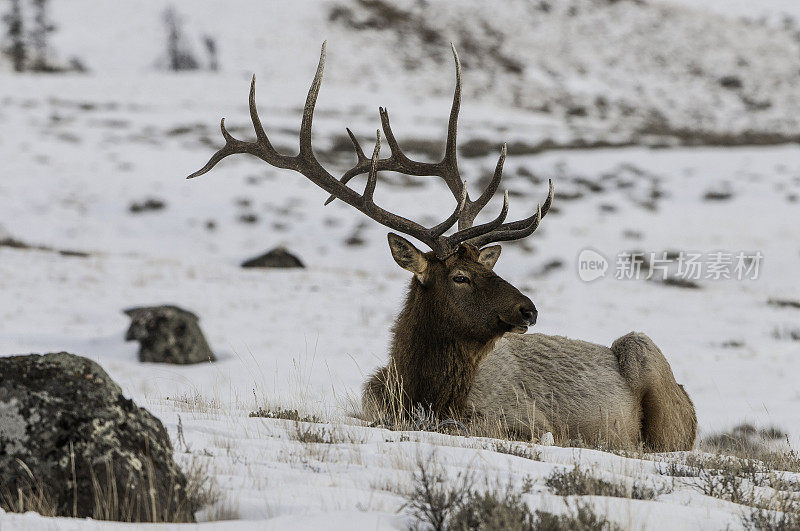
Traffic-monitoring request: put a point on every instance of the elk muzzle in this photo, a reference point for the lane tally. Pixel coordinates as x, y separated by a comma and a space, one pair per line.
528, 312
522, 316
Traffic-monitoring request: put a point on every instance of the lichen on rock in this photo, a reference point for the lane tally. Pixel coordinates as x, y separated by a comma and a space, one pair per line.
13, 427
168, 334
62, 411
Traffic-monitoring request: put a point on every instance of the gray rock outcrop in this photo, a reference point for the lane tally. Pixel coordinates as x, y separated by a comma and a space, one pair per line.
278, 257
68, 435
168, 334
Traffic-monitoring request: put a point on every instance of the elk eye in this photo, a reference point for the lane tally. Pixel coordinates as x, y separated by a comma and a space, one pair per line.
461, 279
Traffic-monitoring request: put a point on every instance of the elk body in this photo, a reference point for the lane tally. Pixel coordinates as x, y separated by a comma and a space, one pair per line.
459, 347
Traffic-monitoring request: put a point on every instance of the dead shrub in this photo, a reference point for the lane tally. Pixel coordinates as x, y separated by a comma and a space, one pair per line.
456, 505
285, 414
578, 482
519, 450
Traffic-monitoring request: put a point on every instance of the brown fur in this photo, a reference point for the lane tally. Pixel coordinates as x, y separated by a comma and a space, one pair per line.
451, 352
437, 343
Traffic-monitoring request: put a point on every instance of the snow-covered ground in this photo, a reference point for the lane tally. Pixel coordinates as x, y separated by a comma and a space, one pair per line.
78, 150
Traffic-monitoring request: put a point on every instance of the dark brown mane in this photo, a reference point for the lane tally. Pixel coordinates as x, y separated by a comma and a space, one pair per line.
436, 366
438, 342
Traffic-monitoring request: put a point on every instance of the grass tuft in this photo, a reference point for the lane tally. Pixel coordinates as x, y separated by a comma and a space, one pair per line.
440, 504
578, 482
285, 414
111, 501
519, 450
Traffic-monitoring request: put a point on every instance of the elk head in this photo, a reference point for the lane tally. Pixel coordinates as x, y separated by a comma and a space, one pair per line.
458, 270
468, 298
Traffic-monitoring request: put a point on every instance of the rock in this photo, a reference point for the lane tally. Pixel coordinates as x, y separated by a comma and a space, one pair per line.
13, 243
730, 82
248, 218
278, 257
90, 451
148, 205
168, 334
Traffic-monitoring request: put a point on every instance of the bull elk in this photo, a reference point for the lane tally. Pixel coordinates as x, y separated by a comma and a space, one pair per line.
459, 346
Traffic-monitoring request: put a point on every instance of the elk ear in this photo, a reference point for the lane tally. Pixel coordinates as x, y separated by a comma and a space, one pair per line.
488, 256
408, 257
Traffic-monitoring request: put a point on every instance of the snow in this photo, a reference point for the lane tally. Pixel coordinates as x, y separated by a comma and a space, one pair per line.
767, 9
77, 150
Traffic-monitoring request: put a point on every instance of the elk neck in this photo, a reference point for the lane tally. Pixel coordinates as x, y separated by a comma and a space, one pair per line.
436, 364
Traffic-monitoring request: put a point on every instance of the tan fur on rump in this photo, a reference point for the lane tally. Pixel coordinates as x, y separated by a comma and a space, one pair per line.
581, 390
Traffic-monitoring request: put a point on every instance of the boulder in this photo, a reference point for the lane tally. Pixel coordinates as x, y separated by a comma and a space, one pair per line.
68, 436
278, 257
168, 334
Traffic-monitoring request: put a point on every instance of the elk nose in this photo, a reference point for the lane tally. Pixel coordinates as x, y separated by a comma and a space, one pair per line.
528, 312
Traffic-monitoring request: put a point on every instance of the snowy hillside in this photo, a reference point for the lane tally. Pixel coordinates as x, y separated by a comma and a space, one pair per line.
587, 70
80, 152
614, 71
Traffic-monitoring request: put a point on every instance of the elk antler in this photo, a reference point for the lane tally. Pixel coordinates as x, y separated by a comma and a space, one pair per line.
465, 212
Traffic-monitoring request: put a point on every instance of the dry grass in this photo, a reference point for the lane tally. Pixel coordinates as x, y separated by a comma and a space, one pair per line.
201, 488
578, 482
440, 504
518, 449
434, 501
744, 440
112, 501
33, 496
306, 433
782, 513
194, 402
581, 518
393, 413
310, 433
286, 414
742, 467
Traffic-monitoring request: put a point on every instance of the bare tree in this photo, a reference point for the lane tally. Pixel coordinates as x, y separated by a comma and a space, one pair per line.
211, 48
179, 55
42, 28
16, 34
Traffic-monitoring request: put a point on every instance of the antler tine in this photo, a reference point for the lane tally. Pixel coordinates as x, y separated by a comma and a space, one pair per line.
232, 147
397, 154
450, 155
357, 146
517, 229
308, 109
471, 233
372, 178
362, 159
262, 148
507, 235
476, 206
445, 225
398, 161
260, 134
524, 223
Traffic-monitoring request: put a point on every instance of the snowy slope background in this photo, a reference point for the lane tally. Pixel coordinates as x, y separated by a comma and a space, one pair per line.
79, 149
